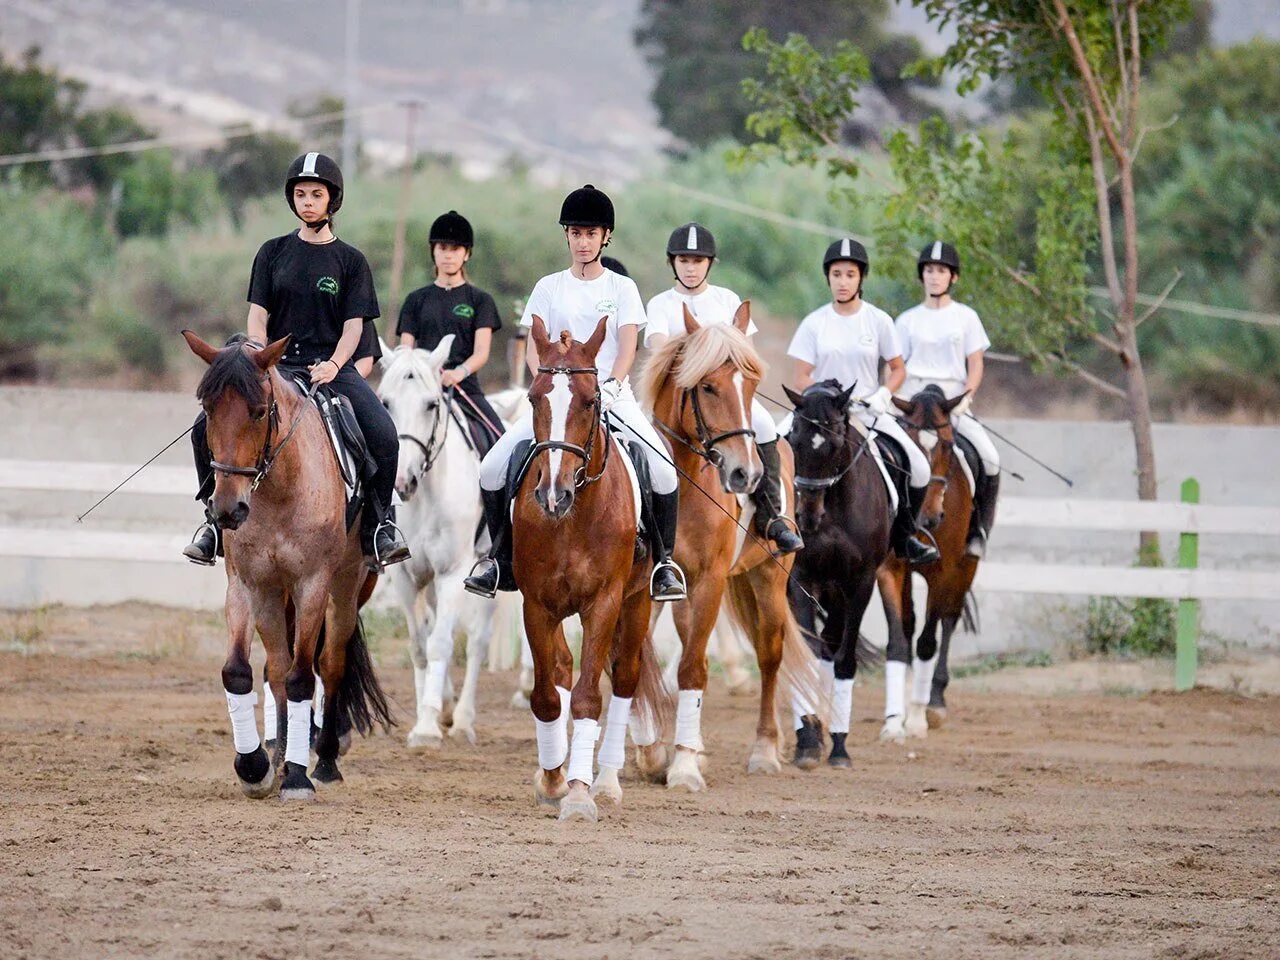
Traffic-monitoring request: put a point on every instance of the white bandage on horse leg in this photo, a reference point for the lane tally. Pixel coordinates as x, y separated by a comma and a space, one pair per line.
827, 670
420, 685
644, 732
613, 751
317, 702
922, 679
582, 756
553, 743
689, 719
841, 705
434, 694
895, 688
298, 747
801, 707
244, 723
270, 722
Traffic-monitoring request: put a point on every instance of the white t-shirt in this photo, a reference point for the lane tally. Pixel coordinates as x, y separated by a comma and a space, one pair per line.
848, 349
936, 343
566, 303
712, 305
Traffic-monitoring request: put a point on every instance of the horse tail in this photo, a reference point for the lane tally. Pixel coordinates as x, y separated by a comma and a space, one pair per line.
969, 613
654, 705
867, 653
361, 699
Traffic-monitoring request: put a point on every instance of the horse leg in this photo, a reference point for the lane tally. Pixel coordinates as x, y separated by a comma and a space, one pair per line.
694, 620
846, 669
476, 625
767, 589
340, 625
252, 765
936, 712
825, 645
524, 686
895, 594
412, 603
651, 753
599, 622
726, 639
544, 701
311, 600
630, 636
922, 666
439, 644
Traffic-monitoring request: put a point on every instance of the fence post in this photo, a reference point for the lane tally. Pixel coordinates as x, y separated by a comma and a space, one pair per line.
1184, 671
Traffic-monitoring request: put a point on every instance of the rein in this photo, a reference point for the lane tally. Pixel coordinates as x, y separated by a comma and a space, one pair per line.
581, 478
826, 483
435, 441
266, 456
706, 440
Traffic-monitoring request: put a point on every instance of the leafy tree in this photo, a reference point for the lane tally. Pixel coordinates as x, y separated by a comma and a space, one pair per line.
322, 121
695, 47
250, 166
156, 194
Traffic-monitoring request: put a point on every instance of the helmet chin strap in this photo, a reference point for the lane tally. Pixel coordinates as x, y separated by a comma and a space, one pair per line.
685, 285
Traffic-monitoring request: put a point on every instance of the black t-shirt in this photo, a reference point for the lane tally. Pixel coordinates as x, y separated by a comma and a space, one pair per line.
432, 312
370, 345
310, 290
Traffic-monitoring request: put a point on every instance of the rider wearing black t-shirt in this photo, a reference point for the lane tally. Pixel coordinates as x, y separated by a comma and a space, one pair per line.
452, 305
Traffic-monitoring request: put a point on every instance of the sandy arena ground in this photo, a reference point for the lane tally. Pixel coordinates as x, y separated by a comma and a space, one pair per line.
1080, 825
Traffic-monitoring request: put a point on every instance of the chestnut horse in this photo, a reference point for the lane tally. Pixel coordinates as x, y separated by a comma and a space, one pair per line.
699, 388
946, 512
295, 572
574, 520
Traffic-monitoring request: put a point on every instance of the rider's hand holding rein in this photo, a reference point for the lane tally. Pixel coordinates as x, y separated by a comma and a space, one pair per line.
327, 370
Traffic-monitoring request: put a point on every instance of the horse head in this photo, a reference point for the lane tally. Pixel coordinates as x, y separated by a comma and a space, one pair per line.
927, 419
567, 418
238, 393
820, 440
412, 393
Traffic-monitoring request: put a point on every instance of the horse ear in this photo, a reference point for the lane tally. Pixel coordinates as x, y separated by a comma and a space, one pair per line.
270, 355
845, 396
906, 406
949, 405
691, 325
795, 398
539, 333
204, 351
441, 353
742, 316
592, 346
386, 359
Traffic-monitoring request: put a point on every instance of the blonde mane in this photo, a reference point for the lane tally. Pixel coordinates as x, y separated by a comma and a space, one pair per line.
687, 359
403, 364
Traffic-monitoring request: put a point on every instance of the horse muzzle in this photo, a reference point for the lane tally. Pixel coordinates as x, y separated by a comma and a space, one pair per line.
233, 518
554, 505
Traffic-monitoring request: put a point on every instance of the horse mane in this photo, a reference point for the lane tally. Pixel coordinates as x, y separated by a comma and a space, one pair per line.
407, 363
232, 369
687, 359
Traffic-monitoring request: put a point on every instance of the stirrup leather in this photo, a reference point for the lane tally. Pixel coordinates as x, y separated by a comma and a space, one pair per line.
684, 585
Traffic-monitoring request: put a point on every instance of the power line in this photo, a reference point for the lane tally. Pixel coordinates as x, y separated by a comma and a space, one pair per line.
1200, 309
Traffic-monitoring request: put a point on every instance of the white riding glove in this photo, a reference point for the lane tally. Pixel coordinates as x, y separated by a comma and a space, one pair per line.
610, 391
961, 408
878, 403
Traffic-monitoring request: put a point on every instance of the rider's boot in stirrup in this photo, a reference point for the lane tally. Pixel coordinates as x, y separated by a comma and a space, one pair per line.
666, 583
388, 542
903, 536
768, 500
984, 515
203, 548
494, 572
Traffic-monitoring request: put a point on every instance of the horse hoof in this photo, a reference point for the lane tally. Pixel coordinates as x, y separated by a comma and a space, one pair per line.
685, 772
651, 762
446, 714
807, 759
607, 786
761, 762
893, 731
936, 716
916, 725
578, 805
296, 787
326, 773
425, 740
840, 762
344, 743
547, 792
463, 732
257, 777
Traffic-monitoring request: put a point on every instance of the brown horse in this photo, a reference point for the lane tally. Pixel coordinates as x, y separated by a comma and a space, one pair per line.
700, 387
294, 570
946, 512
575, 519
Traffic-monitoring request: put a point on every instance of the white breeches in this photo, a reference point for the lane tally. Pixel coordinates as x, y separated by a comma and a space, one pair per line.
626, 413
766, 430
968, 427
889, 425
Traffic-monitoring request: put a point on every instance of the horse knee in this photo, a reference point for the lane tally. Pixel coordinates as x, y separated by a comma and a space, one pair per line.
544, 701
237, 676
300, 685
926, 647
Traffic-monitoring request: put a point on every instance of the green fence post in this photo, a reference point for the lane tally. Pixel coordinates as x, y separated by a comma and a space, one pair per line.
1184, 671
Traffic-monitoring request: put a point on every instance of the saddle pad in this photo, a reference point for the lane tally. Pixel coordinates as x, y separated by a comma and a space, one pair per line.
969, 458
747, 519
636, 502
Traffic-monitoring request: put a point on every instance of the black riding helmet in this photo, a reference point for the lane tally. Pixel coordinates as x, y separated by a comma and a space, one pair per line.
693, 239
847, 249
454, 228
587, 207
318, 167
938, 251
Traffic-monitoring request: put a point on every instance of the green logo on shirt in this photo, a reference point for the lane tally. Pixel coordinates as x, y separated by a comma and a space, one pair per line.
607, 306
327, 285
464, 310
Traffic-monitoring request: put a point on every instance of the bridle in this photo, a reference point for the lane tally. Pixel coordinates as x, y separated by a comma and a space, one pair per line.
436, 438
581, 477
266, 456
826, 483
707, 441
948, 446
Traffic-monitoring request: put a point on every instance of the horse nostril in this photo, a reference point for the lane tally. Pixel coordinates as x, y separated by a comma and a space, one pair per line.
738, 480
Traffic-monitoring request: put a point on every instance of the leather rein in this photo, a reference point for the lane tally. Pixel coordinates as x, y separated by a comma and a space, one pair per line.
581, 477
267, 456
707, 441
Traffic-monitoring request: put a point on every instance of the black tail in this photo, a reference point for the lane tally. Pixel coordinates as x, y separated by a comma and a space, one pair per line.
361, 699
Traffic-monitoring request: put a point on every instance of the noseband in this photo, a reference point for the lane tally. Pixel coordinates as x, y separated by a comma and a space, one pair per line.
707, 441
266, 456
435, 440
826, 483
580, 476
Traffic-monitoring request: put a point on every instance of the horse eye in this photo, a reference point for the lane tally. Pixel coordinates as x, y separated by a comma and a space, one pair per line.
708, 388
259, 413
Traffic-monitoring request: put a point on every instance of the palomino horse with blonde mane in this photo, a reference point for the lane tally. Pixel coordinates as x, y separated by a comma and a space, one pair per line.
574, 520
295, 572
700, 387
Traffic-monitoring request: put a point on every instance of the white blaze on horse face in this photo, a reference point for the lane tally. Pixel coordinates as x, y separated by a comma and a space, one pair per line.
928, 440
560, 398
742, 399
817, 440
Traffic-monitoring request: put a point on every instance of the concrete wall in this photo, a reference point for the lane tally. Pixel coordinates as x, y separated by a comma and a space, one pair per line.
1234, 465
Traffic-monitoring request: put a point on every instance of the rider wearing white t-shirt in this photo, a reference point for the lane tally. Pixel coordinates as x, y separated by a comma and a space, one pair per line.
575, 300
943, 342
691, 252
845, 340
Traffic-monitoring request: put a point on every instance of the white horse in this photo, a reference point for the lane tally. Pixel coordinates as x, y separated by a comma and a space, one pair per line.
438, 482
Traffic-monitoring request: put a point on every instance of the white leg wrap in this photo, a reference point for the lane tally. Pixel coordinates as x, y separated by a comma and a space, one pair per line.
553, 741
922, 679
582, 756
434, 692
689, 719
613, 752
827, 669
298, 748
317, 702
800, 708
244, 722
895, 688
841, 705
270, 722
643, 731
566, 715
420, 685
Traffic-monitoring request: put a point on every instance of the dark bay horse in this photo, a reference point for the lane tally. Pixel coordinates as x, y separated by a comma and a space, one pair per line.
845, 516
575, 518
700, 387
295, 573
946, 512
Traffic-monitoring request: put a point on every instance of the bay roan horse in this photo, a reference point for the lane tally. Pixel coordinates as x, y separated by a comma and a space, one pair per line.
700, 388
946, 511
575, 518
294, 572
843, 509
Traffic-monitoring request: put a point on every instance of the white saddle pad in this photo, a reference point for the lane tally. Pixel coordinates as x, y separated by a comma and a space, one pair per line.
879, 459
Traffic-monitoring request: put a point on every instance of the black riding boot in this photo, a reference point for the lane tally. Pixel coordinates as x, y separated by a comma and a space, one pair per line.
666, 583
388, 542
206, 544
903, 536
984, 514
494, 572
768, 500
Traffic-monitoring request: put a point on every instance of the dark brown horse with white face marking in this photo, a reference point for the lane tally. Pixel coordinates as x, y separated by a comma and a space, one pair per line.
574, 522
294, 571
946, 512
700, 388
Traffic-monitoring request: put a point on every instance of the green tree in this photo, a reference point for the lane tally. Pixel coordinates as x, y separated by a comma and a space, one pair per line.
695, 47
250, 166
155, 194
322, 123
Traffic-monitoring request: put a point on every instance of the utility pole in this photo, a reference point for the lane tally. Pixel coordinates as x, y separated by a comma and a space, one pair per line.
411, 106
350, 119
